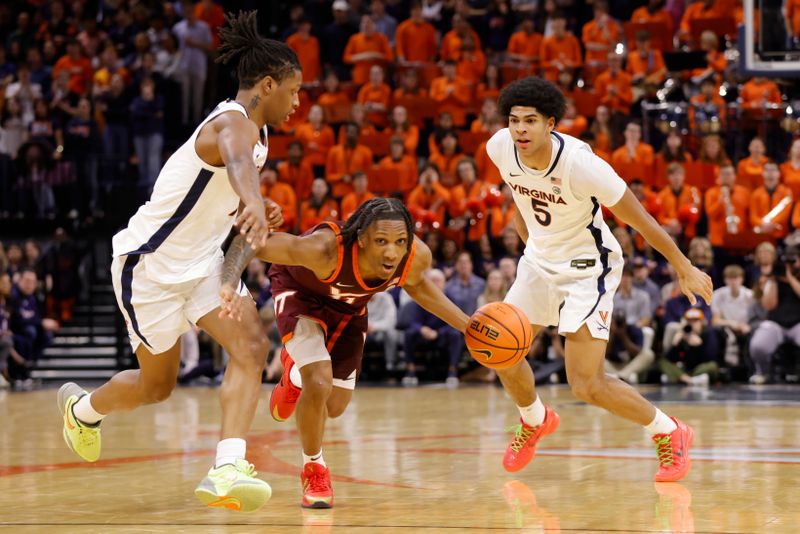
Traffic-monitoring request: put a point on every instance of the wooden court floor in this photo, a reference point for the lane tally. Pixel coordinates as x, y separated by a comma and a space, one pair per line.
413, 460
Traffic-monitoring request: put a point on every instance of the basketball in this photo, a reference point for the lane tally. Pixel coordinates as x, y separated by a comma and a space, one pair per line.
499, 335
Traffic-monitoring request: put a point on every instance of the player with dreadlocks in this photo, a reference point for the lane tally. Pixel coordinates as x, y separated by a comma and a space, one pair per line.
321, 282
168, 262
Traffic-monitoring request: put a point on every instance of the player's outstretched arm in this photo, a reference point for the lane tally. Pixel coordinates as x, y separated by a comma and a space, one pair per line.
427, 295
692, 280
522, 230
236, 137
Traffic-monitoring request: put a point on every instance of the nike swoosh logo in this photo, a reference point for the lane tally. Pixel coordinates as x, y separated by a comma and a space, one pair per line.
231, 214
345, 285
601, 327
514, 175
485, 352
348, 379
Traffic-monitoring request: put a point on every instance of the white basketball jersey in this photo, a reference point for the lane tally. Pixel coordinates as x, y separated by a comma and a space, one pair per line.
180, 230
565, 229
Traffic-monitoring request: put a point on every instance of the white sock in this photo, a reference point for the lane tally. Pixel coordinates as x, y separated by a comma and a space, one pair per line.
84, 412
229, 450
661, 424
533, 415
294, 377
316, 458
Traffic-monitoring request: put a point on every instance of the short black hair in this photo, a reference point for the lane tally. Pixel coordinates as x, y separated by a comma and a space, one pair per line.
376, 209
258, 56
536, 93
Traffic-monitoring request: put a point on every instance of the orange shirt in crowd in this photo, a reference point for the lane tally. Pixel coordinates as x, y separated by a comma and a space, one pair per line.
672, 203
608, 35
311, 216
363, 129
471, 66
660, 164
452, 97
307, 50
360, 43
716, 106
697, 11
410, 138
716, 212
574, 127
283, 194
344, 161
602, 141
406, 168
640, 165
338, 99
459, 200
796, 216
754, 92
566, 51
761, 202
525, 44
643, 16
213, 15
447, 166
793, 16
487, 170
299, 115
750, 174
316, 143
380, 94
297, 176
401, 93
415, 42
502, 219
352, 201
716, 61
80, 73
650, 66
482, 92
621, 98
435, 200
790, 177
451, 45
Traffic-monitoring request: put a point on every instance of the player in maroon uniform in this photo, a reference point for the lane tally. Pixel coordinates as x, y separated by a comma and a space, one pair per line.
321, 283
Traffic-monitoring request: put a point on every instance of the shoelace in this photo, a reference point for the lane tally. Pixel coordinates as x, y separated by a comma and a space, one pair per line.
664, 449
521, 435
87, 436
247, 469
318, 482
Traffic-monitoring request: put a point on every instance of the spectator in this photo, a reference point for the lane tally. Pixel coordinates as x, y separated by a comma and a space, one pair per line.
680, 206
41, 74
451, 94
169, 58
572, 123
12, 365
296, 171
15, 260
400, 125
61, 267
673, 151
306, 46
487, 170
77, 67
600, 35
147, 121
635, 158
316, 137
731, 308
415, 38
426, 329
700, 9
759, 92
365, 49
691, 357
560, 51
282, 194
488, 117
525, 45
115, 106
646, 66
627, 353
467, 209
452, 41
428, 201
384, 23
726, 206
508, 266
382, 326
653, 12
409, 86
404, 164
766, 198
358, 116
603, 136
715, 60
614, 87
711, 151
32, 332
357, 196
447, 157
750, 170
336, 37
319, 207
443, 124
196, 42
13, 132
110, 65
495, 289
25, 92
641, 280
81, 139
707, 110
471, 64
490, 84
790, 169
447, 259
502, 216
375, 97
346, 158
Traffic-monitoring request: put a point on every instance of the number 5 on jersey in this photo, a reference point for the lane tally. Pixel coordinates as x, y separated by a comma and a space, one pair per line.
540, 212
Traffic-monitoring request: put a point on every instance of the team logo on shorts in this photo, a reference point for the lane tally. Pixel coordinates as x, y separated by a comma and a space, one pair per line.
604, 316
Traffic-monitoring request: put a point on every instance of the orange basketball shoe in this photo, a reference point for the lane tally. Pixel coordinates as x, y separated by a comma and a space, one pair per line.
673, 452
285, 394
317, 490
522, 448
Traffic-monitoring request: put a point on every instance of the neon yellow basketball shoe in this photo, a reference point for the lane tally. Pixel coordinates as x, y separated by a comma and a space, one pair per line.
234, 487
82, 439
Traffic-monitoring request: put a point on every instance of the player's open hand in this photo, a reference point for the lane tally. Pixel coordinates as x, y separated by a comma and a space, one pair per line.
274, 214
231, 303
693, 282
252, 223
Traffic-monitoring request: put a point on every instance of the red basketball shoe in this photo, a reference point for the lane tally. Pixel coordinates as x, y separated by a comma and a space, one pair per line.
284, 396
317, 490
673, 453
522, 448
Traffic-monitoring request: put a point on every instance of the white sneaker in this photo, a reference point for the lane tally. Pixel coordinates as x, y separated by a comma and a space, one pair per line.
410, 381
4, 383
664, 379
451, 382
758, 380
633, 379
700, 380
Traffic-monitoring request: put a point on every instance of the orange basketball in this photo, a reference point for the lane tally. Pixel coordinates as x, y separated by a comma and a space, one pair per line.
499, 335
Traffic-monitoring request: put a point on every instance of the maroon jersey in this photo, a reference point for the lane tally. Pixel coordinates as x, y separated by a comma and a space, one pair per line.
344, 291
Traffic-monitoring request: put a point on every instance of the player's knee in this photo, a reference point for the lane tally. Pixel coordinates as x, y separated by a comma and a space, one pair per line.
251, 350
157, 392
318, 385
588, 390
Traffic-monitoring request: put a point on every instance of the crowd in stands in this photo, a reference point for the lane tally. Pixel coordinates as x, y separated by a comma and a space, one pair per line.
399, 98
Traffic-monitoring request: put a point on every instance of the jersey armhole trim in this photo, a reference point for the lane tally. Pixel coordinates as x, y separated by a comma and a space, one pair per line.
409, 262
339, 251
